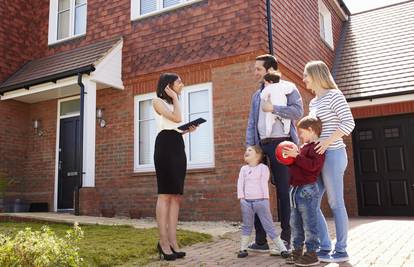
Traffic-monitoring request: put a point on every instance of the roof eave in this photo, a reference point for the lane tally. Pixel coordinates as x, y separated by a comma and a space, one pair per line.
51, 78
353, 99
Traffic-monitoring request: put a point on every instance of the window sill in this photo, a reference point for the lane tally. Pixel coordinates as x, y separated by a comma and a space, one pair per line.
164, 10
67, 39
327, 44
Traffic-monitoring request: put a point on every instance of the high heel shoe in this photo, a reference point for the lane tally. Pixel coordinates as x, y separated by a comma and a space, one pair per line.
167, 257
180, 254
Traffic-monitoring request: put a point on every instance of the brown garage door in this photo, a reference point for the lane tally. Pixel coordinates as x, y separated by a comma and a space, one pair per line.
384, 165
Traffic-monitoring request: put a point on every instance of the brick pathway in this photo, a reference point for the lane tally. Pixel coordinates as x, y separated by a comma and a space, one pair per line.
378, 242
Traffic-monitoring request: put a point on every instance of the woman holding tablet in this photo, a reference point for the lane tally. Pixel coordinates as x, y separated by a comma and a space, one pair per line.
170, 162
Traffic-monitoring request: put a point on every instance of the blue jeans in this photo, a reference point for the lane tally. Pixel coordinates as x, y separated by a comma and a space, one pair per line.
280, 178
303, 218
332, 181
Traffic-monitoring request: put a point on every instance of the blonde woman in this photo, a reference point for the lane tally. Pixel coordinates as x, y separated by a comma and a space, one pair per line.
330, 106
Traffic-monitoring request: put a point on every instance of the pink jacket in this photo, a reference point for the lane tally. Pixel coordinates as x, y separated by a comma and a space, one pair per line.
253, 182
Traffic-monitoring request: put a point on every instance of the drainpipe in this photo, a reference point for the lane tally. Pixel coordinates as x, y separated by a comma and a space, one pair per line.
81, 122
269, 25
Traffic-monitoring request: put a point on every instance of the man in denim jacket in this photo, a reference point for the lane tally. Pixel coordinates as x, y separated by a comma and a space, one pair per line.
256, 135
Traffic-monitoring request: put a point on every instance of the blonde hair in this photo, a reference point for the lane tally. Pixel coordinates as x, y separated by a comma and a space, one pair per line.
320, 75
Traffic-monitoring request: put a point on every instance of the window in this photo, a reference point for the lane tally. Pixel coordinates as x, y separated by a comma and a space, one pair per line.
67, 19
325, 24
196, 101
144, 8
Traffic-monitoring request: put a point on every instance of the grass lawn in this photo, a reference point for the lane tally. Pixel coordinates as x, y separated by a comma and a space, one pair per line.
113, 245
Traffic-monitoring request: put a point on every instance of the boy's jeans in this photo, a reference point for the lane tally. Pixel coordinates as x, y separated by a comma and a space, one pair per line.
303, 219
332, 181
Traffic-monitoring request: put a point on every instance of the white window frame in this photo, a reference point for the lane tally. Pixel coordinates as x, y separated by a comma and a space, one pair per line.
53, 22
136, 8
325, 24
138, 168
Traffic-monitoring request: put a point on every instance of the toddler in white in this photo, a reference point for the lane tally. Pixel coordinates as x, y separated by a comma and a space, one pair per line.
277, 91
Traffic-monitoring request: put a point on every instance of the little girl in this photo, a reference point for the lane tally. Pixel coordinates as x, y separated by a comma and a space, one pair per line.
253, 192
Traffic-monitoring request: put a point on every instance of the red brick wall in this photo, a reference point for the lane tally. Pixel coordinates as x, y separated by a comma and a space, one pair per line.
203, 31
15, 35
40, 155
14, 127
383, 110
296, 34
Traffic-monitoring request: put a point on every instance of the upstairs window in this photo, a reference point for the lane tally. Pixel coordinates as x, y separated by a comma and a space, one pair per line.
145, 8
325, 24
67, 19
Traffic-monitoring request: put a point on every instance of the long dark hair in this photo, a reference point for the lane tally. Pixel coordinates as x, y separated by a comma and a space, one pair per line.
166, 79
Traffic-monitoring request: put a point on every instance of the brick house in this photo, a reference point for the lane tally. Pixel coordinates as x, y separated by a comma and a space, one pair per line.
114, 51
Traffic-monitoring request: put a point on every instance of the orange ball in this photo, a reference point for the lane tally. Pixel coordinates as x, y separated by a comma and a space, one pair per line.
285, 160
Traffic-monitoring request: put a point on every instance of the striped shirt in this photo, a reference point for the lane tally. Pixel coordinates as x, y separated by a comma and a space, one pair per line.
334, 112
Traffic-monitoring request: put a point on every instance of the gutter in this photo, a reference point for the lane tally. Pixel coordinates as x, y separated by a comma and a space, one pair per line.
51, 78
269, 26
79, 181
352, 99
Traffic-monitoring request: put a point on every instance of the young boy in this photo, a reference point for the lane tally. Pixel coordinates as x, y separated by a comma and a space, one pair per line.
277, 94
304, 193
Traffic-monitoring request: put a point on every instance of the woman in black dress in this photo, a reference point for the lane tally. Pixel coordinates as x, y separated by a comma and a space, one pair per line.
170, 162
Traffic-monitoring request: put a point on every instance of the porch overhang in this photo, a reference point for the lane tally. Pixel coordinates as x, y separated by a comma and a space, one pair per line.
55, 76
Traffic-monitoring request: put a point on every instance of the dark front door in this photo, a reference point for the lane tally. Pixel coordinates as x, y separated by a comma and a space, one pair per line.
384, 165
68, 161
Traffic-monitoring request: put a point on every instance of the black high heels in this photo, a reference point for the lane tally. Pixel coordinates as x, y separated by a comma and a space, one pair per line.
167, 257
180, 254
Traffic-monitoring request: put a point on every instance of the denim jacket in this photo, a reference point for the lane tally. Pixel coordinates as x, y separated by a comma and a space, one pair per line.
293, 111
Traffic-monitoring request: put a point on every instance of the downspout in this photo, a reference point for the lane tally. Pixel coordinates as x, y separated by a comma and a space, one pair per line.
81, 122
269, 25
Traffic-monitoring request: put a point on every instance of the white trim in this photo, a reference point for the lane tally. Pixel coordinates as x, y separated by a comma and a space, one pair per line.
137, 166
381, 101
89, 136
186, 92
327, 35
184, 107
57, 147
136, 7
108, 71
53, 22
41, 88
338, 9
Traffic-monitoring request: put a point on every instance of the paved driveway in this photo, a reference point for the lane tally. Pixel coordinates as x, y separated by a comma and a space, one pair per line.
380, 242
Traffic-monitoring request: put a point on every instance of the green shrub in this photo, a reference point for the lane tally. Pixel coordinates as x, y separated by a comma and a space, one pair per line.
41, 248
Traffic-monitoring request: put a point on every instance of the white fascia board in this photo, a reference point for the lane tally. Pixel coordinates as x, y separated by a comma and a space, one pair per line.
108, 71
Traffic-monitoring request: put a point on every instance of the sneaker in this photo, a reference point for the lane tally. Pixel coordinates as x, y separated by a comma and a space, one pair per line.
242, 254
258, 248
323, 254
296, 254
307, 259
337, 256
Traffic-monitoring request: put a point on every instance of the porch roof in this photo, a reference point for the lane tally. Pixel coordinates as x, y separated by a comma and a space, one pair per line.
376, 53
58, 66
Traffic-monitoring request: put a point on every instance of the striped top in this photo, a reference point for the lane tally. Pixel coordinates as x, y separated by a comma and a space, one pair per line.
334, 112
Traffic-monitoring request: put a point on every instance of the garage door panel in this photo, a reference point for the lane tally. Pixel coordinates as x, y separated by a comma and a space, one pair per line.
398, 193
384, 165
394, 157
371, 192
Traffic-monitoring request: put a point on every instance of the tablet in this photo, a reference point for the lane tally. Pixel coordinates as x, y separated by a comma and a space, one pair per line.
196, 122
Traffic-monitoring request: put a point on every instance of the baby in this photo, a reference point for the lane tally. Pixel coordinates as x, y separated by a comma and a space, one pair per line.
277, 92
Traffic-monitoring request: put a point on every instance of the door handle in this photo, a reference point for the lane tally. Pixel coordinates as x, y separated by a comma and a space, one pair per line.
72, 174
60, 165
